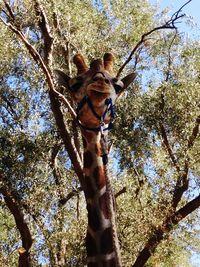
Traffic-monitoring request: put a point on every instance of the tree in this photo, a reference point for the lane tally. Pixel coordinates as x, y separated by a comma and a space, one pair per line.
155, 167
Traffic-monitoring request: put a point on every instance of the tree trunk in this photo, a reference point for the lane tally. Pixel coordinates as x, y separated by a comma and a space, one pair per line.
14, 207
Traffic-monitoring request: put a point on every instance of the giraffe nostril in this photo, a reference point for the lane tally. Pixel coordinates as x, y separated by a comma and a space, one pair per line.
95, 79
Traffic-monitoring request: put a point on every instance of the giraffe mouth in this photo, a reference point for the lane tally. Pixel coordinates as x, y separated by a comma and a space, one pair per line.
99, 94
99, 89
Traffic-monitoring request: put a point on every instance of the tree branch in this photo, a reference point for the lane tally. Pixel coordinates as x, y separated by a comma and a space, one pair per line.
77, 139
170, 24
183, 182
46, 32
160, 232
71, 194
53, 163
66, 137
195, 132
65, 45
38, 59
181, 186
170, 58
123, 190
14, 207
57, 177
55, 104
9, 105
10, 12
43, 228
168, 147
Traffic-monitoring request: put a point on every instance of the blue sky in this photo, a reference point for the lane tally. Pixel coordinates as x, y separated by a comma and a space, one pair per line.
191, 9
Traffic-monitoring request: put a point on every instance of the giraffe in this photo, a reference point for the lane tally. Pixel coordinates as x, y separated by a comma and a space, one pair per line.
95, 90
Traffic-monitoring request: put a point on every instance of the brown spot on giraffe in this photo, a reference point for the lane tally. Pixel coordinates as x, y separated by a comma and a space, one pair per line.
109, 263
106, 241
94, 220
87, 135
90, 245
88, 159
103, 202
99, 177
93, 264
89, 189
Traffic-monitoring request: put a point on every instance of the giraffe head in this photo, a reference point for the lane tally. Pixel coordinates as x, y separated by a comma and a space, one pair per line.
98, 84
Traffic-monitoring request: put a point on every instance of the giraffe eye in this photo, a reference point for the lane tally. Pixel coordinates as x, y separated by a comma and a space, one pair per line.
98, 76
75, 87
118, 85
78, 82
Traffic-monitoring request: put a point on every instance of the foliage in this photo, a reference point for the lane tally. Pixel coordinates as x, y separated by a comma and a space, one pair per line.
35, 165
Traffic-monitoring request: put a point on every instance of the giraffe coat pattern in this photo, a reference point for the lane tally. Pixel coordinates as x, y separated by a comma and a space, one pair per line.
99, 85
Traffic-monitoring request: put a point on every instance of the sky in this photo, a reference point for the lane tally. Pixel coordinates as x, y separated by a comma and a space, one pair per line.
191, 9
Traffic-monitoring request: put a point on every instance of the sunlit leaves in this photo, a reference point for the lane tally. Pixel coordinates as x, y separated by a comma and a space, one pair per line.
34, 163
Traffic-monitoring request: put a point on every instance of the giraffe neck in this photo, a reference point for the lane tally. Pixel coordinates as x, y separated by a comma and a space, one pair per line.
100, 240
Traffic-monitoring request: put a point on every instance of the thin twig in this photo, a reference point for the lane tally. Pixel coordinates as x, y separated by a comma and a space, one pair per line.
8, 7
170, 24
36, 56
180, 9
169, 57
55, 96
123, 190
195, 132
168, 147
71, 194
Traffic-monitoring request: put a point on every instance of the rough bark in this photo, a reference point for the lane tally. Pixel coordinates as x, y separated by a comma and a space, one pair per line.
14, 208
65, 135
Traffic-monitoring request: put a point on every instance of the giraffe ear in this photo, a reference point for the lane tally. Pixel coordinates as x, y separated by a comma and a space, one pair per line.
127, 80
62, 78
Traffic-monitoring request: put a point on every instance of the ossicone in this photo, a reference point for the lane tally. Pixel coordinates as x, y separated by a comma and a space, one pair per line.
80, 64
96, 65
108, 60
